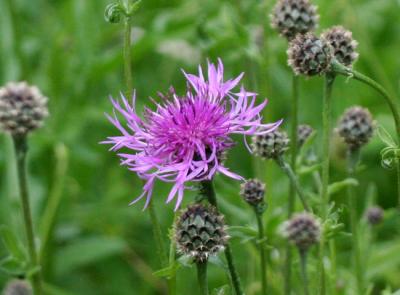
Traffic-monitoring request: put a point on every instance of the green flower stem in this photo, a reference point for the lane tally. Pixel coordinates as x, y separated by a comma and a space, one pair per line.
127, 56
348, 72
21, 148
207, 189
398, 182
172, 257
332, 250
292, 189
54, 199
393, 105
303, 264
352, 159
161, 252
293, 179
263, 261
202, 277
326, 125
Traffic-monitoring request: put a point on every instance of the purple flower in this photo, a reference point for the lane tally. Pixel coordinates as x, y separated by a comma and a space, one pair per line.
184, 138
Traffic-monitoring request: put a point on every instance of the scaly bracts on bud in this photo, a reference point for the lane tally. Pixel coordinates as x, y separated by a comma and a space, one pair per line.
200, 231
303, 133
309, 55
343, 44
303, 230
270, 145
356, 127
253, 192
292, 17
22, 108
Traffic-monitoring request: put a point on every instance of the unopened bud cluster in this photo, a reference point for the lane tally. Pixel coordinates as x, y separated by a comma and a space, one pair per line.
292, 17
200, 232
270, 145
343, 44
253, 192
22, 108
356, 127
309, 55
303, 230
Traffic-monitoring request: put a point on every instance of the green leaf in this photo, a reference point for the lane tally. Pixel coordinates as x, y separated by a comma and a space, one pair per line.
386, 137
13, 245
13, 267
87, 251
304, 170
168, 271
242, 231
338, 186
224, 290
384, 258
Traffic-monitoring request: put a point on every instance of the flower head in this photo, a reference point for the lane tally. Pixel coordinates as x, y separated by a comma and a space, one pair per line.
184, 138
253, 192
304, 131
309, 55
292, 17
22, 108
303, 230
343, 44
200, 232
271, 145
374, 215
356, 127
17, 287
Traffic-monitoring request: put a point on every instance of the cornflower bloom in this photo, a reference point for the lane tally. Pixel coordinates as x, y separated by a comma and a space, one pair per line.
184, 138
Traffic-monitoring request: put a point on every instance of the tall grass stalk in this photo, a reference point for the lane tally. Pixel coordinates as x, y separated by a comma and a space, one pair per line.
21, 148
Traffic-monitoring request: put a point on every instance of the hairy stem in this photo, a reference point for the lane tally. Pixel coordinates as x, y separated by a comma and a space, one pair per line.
21, 148
207, 189
161, 252
293, 180
303, 264
172, 251
202, 277
326, 125
263, 261
127, 56
292, 188
348, 72
352, 159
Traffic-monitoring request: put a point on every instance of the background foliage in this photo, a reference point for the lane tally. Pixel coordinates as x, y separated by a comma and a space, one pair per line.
99, 245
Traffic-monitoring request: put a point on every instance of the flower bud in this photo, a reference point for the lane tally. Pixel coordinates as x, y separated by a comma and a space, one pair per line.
292, 17
374, 215
356, 127
200, 232
309, 55
270, 145
343, 44
253, 191
22, 108
17, 287
303, 133
303, 230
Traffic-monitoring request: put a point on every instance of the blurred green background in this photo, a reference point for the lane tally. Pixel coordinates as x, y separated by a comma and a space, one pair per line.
99, 245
